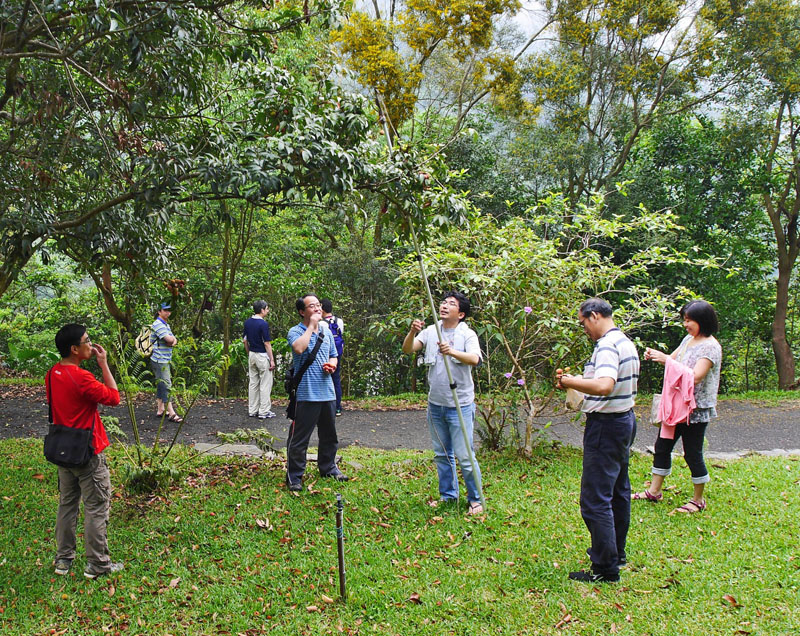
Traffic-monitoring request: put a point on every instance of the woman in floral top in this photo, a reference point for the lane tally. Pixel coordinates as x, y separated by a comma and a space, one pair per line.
701, 352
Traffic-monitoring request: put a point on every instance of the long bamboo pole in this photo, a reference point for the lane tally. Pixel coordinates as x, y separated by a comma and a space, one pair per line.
424, 273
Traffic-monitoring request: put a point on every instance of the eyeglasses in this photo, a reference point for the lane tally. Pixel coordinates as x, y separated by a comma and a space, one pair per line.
87, 341
313, 305
449, 303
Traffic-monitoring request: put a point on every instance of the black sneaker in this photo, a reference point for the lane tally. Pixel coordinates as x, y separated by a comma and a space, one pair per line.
338, 476
294, 486
62, 566
338, 412
588, 576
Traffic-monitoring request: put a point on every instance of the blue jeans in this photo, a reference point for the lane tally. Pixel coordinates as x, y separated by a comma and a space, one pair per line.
448, 446
606, 488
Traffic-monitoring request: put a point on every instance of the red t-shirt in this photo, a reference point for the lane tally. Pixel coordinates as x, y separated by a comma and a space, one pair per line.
74, 394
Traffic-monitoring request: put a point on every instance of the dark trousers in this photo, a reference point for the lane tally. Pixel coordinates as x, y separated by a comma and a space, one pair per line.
605, 486
307, 416
336, 376
693, 436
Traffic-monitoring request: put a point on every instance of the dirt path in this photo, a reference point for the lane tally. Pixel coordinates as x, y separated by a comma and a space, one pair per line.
741, 427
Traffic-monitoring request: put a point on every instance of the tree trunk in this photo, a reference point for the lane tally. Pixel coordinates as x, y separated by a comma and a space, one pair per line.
377, 237
746, 365
784, 360
12, 264
225, 303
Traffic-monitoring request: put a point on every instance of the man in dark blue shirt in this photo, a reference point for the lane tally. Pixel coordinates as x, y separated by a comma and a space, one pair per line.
260, 361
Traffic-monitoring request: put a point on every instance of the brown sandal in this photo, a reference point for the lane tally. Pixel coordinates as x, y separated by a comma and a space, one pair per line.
698, 507
648, 496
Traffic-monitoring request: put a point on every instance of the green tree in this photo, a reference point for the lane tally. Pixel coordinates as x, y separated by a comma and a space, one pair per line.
762, 47
429, 63
117, 113
615, 69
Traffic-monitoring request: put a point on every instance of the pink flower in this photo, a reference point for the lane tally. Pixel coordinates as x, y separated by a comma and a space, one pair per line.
528, 310
521, 382
508, 375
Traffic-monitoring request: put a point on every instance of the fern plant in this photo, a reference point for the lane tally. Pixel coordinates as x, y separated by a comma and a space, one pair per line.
197, 368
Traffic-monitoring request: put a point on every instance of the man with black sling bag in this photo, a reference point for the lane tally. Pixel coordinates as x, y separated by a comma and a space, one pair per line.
311, 339
73, 394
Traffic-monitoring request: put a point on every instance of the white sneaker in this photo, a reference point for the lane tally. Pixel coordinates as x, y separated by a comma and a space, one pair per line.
91, 571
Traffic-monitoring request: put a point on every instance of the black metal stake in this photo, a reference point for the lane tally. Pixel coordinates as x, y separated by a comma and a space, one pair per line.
340, 546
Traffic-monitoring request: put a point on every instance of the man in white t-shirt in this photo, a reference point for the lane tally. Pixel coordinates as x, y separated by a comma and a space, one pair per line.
610, 382
461, 344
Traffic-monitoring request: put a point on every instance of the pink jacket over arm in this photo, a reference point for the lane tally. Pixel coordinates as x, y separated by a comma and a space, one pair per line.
677, 397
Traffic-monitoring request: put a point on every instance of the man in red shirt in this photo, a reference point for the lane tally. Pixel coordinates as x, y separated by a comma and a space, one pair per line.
74, 394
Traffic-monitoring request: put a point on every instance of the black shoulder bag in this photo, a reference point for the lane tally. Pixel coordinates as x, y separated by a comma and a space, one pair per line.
292, 381
63, 445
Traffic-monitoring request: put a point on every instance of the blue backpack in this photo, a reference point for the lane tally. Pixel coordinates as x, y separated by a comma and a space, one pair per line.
338, 339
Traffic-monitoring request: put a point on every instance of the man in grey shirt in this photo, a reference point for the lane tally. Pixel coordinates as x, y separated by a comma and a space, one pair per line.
461, 344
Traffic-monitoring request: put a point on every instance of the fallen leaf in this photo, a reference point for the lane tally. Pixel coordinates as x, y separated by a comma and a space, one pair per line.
312, 608
327, 599
414, 598
174, 582
563, 622
38, 476
731, 600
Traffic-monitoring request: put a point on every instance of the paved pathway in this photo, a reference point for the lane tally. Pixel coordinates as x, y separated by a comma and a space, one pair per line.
742, 427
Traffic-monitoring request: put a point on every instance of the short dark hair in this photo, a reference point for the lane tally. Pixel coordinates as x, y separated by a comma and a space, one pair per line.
259, 306
703, 314
596, 305
464, 305
300, 303
68, 336
327, 305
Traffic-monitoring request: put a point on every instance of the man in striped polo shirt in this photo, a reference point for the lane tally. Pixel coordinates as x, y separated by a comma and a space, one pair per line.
163, 342
609, 383
316, 398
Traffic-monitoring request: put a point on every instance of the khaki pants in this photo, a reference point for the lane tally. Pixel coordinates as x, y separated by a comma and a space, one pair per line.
260, 388
92, 483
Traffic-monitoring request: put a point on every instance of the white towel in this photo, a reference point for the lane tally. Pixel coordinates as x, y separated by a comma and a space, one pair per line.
432, 345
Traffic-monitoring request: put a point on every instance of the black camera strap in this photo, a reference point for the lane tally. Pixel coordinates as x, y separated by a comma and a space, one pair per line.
309, 361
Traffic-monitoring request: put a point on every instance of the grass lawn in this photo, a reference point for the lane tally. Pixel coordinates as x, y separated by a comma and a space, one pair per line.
230, 551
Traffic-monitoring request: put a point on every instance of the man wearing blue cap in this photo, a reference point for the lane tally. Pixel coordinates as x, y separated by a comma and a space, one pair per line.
163, 342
